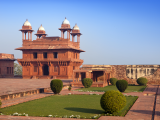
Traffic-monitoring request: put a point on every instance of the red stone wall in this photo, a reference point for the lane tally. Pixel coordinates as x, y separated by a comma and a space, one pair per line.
4, 64
119, 72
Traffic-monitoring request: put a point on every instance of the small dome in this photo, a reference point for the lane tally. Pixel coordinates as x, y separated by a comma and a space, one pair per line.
41, 28
76, 27
26, 23
65, 22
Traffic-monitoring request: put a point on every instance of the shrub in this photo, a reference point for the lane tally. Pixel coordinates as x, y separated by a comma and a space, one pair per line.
69, 88
56, 86
142, 81
87, 82
113, 81
121, 85
112, 101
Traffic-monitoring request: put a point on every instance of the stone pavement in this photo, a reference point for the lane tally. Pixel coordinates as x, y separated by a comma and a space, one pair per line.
13, 85
141, 110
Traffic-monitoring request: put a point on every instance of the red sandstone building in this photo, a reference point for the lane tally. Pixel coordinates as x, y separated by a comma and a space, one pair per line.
50, 57
6, 65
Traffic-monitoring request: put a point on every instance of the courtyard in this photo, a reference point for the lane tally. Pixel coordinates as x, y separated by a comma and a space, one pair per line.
144, 108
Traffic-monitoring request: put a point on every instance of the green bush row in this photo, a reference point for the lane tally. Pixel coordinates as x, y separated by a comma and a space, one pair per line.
140, 81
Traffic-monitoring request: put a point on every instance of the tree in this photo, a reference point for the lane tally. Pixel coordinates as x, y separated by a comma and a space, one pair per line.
17, 69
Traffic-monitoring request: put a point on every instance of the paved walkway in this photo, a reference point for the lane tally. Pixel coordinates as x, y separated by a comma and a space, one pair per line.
14, 85
141, 110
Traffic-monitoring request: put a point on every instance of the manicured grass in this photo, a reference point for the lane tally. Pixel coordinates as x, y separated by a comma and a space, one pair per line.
130, 88
62, 105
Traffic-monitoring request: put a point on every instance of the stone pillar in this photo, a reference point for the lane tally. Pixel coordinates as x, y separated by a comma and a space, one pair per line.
72, 38
104, 74
28, 35
40, 69
50, 69
22, 35
138, 73
31, 36
61, 34
31, 69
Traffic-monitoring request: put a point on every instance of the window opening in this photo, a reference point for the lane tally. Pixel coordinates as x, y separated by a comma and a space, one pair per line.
55, 55
7, 70
34, 55
45, 55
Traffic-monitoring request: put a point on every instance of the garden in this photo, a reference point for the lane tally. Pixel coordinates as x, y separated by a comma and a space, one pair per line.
111, 103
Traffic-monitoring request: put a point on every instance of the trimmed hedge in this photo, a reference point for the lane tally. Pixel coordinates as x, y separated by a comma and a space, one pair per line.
113, 81
87, 82
121, 85
142, 81
56, 86
112, 101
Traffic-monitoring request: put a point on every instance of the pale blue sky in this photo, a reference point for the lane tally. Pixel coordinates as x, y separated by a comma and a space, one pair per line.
114, 32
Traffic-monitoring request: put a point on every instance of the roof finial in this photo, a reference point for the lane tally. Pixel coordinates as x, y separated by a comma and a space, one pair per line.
65, 18
41, 24
26, 19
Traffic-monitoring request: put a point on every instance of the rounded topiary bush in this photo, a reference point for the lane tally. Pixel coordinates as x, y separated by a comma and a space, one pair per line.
142, 81
56, 86
112, 101
113, 81
87, 82
121, 85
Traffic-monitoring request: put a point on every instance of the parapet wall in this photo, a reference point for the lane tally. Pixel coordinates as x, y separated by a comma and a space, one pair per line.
5, 56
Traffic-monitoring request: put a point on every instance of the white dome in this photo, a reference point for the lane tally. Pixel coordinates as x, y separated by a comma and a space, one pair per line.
41, 28
76, 27
26, 23
65, 22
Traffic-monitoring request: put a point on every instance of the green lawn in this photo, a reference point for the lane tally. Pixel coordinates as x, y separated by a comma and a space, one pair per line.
134, 88
65, 106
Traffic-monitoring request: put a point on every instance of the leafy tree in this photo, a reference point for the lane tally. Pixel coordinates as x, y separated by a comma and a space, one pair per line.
17, 69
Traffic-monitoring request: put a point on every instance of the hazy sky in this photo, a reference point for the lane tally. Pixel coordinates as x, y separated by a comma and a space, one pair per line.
114, 32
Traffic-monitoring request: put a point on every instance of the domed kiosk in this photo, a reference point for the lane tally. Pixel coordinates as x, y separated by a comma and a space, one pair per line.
41, 32
49, 57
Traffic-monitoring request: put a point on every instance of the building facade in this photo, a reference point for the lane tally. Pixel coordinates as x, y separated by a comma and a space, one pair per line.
6, 65
50, 57
102, 73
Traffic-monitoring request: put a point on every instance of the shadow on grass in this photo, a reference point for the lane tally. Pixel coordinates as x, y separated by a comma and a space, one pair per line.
85, 110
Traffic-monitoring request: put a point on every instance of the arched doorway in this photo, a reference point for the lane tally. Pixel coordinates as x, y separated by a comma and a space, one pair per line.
45, 70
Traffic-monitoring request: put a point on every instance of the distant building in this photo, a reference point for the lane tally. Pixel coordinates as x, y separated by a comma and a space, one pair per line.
50, 57
6, 65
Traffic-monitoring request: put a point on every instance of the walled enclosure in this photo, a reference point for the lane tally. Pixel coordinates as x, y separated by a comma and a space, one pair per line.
128, 72
6, 65
50, 57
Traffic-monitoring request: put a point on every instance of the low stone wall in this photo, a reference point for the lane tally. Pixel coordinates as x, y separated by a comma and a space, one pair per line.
22, 94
